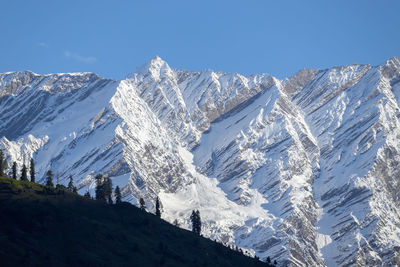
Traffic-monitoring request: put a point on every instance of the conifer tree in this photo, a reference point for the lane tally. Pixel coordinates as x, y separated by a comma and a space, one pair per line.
2, 165
142, 204
196, 222
87, 195
118, 197
275, 262
32, 170
14, 170
268, 259
71, 184
158, 212
24, 175
5, 167
49, 179
193, 219
176, 223
108, 190
100, 194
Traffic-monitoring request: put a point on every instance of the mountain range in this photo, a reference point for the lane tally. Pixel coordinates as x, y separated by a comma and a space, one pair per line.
303, 169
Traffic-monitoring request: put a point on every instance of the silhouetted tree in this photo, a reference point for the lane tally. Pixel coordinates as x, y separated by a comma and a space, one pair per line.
49, 178
193, 219
196, 222
108, 190
24, 175
268, 259
275, 262
118, 197
158, 212
100, 192
87, 195
71, 184
5, 166
142, 204
32, 170
2, 165
14, 170
176, 223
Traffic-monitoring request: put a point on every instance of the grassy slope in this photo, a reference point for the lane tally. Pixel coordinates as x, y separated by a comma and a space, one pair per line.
48, 227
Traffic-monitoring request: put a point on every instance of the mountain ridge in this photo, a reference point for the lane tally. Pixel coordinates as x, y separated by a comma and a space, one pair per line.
272, 163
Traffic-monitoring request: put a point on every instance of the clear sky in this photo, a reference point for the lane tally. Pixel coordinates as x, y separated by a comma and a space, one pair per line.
112, 38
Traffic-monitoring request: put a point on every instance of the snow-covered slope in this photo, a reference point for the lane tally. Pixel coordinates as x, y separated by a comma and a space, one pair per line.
304, 169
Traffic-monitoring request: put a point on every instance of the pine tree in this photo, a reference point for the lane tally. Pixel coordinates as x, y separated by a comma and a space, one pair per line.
275, 262
24, 175
196, 222
142, 204
118, 197
268, 259
108, 190
14, 170
87, 195
71, 184
176, 223
5, 166
32, 170
49, 180
158, 212
193, 219
100, 193
2, 166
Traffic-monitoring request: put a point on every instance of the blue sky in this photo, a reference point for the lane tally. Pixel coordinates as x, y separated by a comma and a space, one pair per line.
112, 38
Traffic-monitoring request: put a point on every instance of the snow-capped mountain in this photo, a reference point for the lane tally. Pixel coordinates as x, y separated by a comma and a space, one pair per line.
304, 170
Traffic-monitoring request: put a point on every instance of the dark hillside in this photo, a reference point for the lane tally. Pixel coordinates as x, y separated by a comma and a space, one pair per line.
42, 226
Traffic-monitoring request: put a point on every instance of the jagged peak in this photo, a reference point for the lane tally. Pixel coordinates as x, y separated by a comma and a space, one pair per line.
156, 67
391, 68
394, 60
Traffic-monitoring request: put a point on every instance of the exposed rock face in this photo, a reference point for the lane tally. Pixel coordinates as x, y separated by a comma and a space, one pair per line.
305, 170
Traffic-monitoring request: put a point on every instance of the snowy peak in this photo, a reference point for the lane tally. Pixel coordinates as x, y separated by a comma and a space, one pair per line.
394, 60
391, 68
156, 68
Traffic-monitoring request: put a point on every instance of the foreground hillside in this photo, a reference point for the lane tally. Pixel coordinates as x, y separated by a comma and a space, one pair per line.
41, 226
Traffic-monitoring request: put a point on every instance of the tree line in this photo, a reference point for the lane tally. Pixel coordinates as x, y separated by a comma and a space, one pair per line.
103, 192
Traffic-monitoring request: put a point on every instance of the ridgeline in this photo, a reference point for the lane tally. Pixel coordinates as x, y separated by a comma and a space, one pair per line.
44, 226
